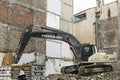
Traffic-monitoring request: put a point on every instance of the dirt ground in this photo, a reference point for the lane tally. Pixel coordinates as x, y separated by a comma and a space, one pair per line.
115, 75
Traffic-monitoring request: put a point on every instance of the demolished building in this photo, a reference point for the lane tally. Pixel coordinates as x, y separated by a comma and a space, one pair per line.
16, 15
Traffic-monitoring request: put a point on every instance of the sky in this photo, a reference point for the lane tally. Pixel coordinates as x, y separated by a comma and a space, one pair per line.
80, 5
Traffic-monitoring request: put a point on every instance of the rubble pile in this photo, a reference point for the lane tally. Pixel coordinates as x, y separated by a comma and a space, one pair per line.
100, 76
113, 75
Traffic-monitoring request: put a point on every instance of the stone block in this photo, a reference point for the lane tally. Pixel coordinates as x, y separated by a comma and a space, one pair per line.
40, 18
14, 39
3, 11
41, 4
22, 16
40, 45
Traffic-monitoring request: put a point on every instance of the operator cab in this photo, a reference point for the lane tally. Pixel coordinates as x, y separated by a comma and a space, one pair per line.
86, 51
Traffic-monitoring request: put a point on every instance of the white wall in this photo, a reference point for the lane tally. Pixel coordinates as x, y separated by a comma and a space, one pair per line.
53, 20
66, 52
52, 66
53, 49
30, 57
54, 6
56, 50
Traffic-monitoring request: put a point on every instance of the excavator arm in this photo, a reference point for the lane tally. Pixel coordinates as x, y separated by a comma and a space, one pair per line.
22, 43
51, 34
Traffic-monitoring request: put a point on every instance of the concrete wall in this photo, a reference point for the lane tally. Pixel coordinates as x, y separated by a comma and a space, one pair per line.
108, 34
107, 27
84, 29
66, 22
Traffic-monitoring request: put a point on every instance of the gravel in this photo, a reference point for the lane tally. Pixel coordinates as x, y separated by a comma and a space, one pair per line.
115, 75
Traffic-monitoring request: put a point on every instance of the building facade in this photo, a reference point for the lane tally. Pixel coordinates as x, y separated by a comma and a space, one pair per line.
84, 26
105, 27
16, 15
102, 23
89, 17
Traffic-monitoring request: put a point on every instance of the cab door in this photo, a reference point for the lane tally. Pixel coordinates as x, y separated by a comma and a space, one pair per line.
86, 52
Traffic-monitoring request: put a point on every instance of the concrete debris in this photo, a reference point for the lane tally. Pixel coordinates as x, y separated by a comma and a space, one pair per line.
100, 76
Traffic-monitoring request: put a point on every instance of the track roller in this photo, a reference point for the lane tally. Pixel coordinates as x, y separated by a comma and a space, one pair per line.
92, 69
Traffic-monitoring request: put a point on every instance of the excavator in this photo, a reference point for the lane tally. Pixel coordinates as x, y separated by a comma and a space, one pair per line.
87, 59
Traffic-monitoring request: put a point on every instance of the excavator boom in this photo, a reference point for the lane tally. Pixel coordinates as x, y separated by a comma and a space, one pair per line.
51, 34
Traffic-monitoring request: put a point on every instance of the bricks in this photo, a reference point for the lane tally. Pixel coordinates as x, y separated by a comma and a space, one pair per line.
19, 15
40, 45
40, 18
2, 38
41, 4
3, 11
22, 16
14, 39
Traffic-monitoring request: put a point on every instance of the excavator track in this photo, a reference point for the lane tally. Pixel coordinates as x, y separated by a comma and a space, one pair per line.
70, 69
92, 69
86, 69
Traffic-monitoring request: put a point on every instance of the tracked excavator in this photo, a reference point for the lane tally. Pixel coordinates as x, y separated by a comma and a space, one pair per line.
87, 59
